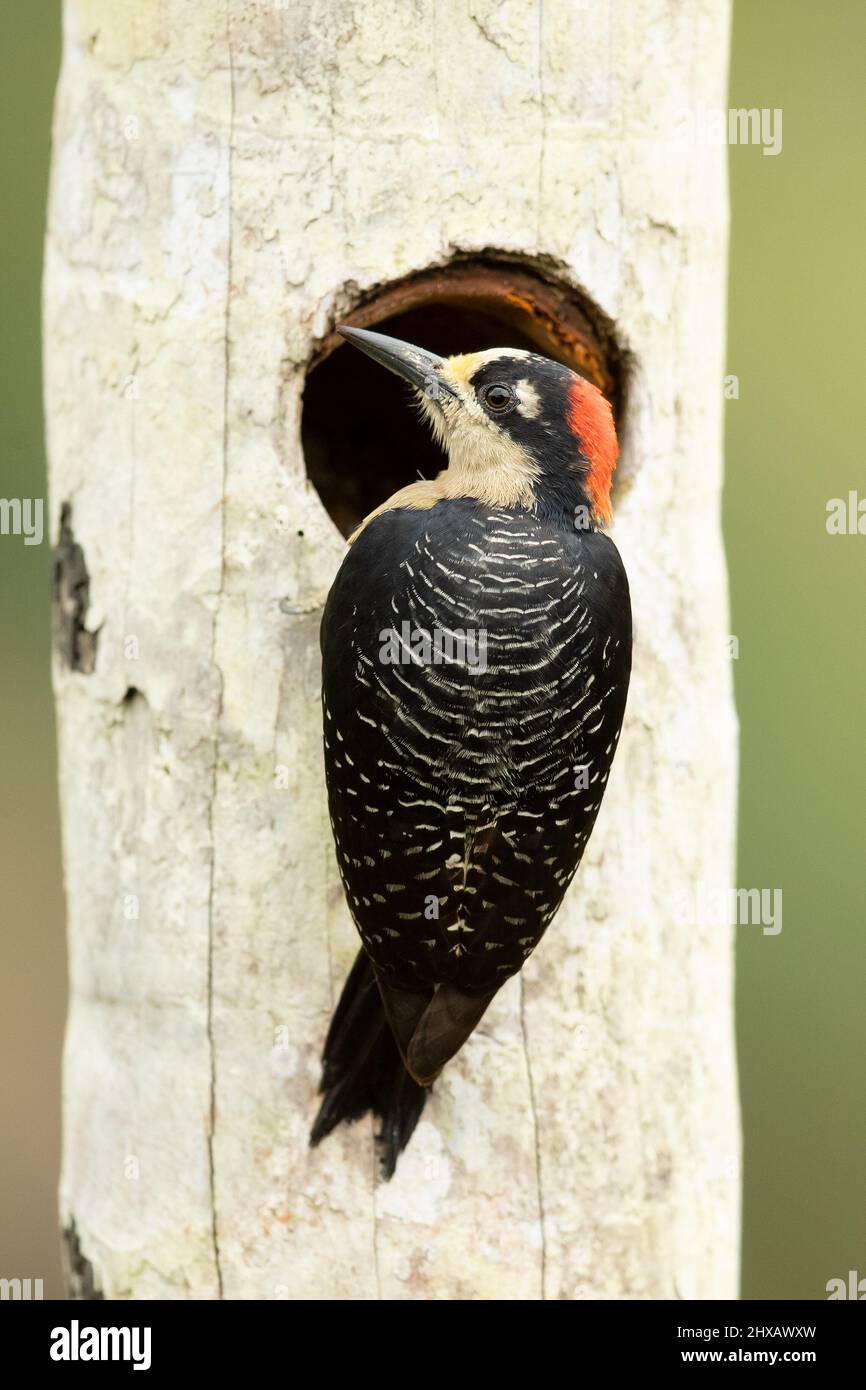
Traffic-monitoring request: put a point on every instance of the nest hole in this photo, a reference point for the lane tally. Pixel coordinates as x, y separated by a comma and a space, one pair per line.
362, 437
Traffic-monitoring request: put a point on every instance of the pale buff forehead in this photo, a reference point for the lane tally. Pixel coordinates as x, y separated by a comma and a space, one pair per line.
459, 370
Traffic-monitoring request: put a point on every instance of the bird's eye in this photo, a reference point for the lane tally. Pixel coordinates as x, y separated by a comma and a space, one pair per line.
498, 399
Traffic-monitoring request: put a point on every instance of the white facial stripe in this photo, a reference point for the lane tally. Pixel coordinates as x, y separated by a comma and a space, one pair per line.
528, 403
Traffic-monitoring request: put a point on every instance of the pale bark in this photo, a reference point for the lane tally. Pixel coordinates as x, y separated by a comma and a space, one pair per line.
226, 179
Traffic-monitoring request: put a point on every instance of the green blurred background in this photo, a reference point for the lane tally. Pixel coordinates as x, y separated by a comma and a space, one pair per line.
797, 342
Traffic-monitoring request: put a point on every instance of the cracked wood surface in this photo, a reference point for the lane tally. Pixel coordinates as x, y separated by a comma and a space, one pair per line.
226, 177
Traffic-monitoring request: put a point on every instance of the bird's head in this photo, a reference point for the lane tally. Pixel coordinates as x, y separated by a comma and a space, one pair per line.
519, 429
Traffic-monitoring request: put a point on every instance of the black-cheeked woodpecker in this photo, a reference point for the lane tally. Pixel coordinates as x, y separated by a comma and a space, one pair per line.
476, 651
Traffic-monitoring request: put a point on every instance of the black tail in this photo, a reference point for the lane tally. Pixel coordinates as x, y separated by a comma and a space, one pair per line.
362, 1070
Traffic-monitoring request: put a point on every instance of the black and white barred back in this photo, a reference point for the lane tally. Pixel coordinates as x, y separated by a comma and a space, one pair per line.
462, 793
476, 654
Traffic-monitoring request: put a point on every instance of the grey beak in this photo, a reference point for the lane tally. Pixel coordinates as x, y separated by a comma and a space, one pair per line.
422, 369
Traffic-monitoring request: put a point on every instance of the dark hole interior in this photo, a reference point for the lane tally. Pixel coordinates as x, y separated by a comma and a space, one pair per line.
362, 434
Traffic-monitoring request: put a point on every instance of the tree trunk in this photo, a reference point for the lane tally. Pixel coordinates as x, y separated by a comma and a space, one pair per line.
228, 180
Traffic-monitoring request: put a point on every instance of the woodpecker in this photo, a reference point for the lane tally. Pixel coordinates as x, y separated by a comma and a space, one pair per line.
476, 652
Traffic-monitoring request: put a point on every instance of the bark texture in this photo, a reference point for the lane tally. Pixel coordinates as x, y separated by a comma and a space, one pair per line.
227, 177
